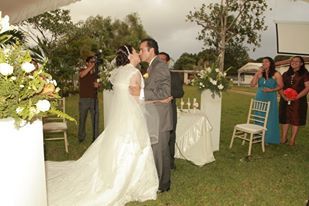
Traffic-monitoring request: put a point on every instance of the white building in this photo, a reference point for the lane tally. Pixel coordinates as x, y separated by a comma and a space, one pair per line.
246, 72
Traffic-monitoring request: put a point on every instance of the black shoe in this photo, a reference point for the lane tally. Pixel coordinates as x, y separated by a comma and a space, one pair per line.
163, 190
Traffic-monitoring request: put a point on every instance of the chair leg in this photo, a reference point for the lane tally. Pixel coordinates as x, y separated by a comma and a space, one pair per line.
250, 144
245, 137
263, 142
66, 142
232, 140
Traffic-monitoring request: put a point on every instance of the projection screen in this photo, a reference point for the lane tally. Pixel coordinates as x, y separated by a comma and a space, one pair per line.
292, 38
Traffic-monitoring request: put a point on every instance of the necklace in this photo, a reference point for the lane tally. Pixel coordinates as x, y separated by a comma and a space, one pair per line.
292, 79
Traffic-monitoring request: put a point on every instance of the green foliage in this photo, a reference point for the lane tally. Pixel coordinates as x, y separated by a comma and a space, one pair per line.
213, 79
186, 62
11, 37
27, 92
66, 45
235, 57
229, 22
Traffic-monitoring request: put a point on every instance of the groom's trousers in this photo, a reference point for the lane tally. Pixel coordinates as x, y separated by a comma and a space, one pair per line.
162, 160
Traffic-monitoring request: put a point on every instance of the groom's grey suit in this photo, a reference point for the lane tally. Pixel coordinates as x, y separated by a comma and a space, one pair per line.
158, 86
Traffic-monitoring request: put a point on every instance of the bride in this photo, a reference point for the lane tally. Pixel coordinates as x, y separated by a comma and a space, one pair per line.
119, 166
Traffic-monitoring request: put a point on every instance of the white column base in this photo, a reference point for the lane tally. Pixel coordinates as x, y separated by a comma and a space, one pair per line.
22, 173
212, 108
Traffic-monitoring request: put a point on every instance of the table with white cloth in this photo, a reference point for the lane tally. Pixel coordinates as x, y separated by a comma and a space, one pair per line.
193, 137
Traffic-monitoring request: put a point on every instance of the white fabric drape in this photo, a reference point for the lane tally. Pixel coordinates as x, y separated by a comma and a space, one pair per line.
20, 10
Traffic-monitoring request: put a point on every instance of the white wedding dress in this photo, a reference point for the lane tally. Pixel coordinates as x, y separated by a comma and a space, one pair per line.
119, 166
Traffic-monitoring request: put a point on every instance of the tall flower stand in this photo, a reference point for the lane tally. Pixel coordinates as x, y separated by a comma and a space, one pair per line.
212, 108
22, 173
107, 101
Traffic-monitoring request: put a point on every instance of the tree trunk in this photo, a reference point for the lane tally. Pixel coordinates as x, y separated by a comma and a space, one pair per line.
221, 51
222, 37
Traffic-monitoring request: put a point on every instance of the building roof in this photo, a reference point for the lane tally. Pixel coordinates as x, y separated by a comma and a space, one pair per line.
250, 67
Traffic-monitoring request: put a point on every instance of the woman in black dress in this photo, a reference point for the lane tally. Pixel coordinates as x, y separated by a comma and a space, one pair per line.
293, 112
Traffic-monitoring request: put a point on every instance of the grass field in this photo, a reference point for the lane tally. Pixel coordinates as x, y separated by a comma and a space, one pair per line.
280, 176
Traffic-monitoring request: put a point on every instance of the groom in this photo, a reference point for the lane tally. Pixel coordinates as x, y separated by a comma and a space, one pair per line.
158, 87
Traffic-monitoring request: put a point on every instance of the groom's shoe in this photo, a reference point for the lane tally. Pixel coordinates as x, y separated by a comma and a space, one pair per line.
163, 190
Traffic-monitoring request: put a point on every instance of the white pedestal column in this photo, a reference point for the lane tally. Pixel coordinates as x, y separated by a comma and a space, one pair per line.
107, 101
22, 173
212, 108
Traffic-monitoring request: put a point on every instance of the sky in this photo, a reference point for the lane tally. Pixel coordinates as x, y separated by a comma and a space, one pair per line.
165, 21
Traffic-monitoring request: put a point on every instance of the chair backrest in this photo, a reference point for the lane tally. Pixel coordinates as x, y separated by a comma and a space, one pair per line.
61, 107
258, 112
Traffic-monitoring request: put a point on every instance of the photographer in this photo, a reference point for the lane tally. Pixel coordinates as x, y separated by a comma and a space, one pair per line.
88, 100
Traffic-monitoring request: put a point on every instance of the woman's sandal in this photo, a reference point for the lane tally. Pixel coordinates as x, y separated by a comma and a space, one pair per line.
285, 142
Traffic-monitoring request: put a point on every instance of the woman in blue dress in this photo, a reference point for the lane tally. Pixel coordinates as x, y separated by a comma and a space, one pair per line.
269, 81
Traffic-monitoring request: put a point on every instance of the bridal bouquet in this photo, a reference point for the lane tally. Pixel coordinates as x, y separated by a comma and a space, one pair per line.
213, 79
27, 91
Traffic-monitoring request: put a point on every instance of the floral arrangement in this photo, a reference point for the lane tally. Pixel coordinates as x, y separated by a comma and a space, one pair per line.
213, 79
27, 91
105, 74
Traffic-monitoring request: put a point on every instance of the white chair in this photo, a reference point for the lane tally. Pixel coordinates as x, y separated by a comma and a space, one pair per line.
54, 124
254, 130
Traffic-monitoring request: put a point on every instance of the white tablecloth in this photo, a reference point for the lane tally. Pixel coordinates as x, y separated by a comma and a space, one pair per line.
193, 138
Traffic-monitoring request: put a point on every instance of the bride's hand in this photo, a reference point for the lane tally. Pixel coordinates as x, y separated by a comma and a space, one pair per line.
166, 100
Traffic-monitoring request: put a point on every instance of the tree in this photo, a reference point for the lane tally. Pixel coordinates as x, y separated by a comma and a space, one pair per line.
47, 28
229, 22
236, 56
47, 31
186, 62
66, 44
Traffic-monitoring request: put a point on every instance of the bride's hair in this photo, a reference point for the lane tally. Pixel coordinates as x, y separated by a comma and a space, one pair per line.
123, 53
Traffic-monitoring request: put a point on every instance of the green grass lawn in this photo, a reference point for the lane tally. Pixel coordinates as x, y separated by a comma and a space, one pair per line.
280, 176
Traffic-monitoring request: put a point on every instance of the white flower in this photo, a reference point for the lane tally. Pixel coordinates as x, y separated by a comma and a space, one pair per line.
54, 82
214, 82
13, 78
27, 67
43, 105
6, 69
57, 90
19, 110
51, 81
208, 69
21, 86
5, 25
224, 74
217, 70
31, 77
220, 86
